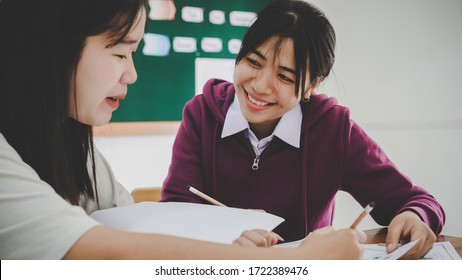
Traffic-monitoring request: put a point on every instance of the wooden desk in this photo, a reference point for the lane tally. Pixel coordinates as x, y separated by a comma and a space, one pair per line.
378, 236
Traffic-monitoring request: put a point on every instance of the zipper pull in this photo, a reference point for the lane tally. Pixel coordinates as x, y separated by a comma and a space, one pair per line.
255, 162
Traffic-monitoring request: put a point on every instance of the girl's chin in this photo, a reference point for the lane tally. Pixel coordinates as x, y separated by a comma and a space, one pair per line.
100, 121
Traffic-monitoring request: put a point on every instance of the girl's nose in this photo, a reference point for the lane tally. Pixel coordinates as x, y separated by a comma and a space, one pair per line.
263, 82
129, 76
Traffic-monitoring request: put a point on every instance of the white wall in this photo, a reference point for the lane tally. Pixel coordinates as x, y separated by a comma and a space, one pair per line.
399, 69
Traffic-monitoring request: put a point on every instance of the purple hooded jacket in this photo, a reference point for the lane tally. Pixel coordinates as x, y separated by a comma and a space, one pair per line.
298, 184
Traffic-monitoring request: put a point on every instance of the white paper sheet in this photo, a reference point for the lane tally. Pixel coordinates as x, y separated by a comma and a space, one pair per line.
379, 252
190, 220
440, 251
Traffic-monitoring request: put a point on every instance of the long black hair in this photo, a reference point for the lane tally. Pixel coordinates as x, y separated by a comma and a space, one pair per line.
42, 42
312, 34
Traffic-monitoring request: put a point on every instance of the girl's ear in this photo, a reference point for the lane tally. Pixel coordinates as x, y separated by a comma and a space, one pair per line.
315, 84
309, 90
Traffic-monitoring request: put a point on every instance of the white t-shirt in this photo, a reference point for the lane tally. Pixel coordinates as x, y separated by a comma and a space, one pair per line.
37, 223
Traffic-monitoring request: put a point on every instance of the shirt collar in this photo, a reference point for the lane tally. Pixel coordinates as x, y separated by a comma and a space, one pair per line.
288, 129
234, 120
290, 126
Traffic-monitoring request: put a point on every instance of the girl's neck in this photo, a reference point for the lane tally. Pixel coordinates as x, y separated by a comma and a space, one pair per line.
263, 130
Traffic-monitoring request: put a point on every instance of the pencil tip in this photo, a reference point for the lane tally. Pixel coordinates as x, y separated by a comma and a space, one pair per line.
372, 204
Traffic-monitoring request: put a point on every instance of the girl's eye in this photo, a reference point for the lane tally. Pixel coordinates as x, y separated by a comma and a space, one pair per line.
253, 62
122, 56
285, 78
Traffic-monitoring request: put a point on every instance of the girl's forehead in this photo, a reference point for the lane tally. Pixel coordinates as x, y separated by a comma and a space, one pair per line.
276, 42
277, 49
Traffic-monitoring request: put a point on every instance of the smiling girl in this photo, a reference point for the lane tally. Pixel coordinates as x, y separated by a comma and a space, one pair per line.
269, 141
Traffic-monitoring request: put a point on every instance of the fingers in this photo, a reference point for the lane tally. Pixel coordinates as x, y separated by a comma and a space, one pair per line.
242, 241
426, 240
335, 244
362, 237
393, 237
277, 236
407, 226
257, 238
358, 234
413, 253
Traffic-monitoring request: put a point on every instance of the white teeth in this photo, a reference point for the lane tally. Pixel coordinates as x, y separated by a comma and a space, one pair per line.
256, 102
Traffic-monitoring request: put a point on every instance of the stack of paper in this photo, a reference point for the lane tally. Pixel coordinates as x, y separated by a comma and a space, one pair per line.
189, 220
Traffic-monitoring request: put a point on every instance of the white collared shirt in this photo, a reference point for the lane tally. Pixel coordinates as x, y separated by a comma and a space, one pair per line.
288, 129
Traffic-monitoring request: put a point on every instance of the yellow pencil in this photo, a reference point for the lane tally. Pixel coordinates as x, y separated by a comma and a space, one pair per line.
206, 197
363, 214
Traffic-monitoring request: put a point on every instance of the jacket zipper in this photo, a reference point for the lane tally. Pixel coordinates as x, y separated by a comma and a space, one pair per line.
255, 162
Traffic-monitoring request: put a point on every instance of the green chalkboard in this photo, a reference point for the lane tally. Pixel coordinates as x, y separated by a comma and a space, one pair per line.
166, 83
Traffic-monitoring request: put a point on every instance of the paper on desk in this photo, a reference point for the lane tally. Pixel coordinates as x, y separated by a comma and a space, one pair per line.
440, 251
379, 252
371, 251
189, 220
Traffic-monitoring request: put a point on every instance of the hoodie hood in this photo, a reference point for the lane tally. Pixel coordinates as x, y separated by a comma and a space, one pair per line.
219, 95
317, 107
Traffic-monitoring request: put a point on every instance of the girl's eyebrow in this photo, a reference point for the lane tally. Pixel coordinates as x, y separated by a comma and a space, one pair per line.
128, 41
259, 54
285, 68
